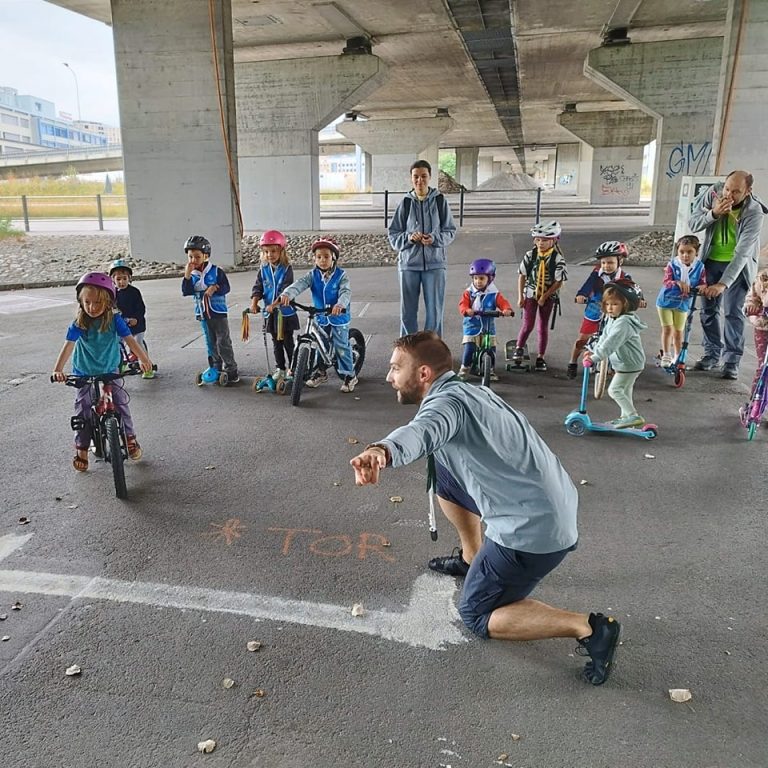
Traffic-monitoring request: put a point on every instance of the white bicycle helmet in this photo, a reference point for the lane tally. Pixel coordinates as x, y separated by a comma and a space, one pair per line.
550, 229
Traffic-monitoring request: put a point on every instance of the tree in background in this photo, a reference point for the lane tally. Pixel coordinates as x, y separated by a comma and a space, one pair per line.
447, 162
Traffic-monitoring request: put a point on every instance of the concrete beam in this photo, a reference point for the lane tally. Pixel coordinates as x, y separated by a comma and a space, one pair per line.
625, 128
394, 145
281, 106
179, 138
676, 82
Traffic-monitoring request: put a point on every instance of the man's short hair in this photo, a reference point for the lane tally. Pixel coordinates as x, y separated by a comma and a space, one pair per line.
748, 178
422, 164
426, 348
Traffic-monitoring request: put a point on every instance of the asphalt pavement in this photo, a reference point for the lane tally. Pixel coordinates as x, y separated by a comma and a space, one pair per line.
244, 524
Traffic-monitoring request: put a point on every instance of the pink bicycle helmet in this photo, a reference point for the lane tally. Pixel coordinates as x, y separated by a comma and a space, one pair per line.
273, 237
99, 280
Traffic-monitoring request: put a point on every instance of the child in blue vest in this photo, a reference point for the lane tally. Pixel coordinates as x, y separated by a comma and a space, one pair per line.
481, 296
683, 275
330, 287
609, 256
206, 279
275, 275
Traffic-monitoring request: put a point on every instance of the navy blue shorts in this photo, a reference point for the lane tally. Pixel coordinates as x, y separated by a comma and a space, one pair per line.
447, 488
498, 575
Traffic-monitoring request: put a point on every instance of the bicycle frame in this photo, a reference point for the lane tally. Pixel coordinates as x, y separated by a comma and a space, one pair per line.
321, 346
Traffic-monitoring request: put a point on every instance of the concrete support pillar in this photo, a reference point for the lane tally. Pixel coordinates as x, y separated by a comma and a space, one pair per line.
496, 167
617, 139
368, 161
281, 106
484, 168
585, 171
741, 133
551, 168
180, 163
677, 82
432, 155
395, 144
567, 169
466, 166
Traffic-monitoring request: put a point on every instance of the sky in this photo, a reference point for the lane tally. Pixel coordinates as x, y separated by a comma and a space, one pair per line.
37, 37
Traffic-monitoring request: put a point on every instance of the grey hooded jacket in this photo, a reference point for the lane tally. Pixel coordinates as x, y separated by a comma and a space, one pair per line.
747, 251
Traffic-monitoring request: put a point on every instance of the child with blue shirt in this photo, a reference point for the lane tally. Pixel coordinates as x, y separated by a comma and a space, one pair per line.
330, 287
204, 279
93, 342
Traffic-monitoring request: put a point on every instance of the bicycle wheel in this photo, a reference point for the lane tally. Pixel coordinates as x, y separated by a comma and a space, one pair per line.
485, 369
357, 344
115, 456
601, 377
299, 374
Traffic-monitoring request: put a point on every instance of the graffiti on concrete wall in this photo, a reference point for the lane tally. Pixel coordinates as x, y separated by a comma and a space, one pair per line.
616, 183
689, 159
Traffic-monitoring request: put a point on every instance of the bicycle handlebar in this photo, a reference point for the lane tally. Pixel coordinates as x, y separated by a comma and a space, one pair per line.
312, 310
80, 381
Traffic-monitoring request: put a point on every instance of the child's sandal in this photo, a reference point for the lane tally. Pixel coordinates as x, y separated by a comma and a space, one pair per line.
133, 447
80, 463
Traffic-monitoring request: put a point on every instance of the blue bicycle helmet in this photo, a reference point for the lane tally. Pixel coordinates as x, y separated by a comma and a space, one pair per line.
485, 267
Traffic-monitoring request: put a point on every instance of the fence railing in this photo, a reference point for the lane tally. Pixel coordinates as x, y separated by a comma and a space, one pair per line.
98, 207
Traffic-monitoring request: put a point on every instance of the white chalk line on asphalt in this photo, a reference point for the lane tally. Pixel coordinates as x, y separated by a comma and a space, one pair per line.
429, 621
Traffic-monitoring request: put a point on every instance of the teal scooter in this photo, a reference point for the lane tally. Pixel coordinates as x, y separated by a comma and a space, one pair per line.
578, 422
211, 375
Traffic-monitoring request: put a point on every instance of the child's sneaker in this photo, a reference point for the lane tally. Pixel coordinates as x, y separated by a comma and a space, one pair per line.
233, 379
517, 355
349, 384
625, 422
572, 370
463, 373
494, 376
278, 374
148, 375
134, 449
665, 361
541, 364
600, 646
318, 378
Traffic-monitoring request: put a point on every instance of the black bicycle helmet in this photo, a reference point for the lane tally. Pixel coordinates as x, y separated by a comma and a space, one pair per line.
198, 243
629, 290
611, 248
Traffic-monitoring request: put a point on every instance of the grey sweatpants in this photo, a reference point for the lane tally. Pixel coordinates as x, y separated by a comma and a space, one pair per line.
620, 390
221, 345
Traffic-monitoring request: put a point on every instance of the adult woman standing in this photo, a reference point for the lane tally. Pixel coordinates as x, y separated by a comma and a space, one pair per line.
421, 229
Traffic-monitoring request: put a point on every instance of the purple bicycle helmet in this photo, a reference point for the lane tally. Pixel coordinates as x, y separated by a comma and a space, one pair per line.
98, 280
485, 267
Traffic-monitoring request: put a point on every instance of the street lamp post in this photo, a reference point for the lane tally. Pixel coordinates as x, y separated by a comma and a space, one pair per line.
77, 89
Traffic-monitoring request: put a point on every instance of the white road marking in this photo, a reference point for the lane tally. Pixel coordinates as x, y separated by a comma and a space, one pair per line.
364, 309
14, 303
429, 621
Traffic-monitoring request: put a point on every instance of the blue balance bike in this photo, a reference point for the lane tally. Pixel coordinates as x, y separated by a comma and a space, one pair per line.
578, 422
211, 375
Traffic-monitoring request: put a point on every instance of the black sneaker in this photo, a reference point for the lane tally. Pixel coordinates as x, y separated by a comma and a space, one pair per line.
517, 356
233, 379
573, 369
600, 646
452, 565
730, 371
541, 364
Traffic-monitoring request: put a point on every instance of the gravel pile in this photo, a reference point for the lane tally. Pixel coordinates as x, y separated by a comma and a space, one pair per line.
447, 184
651, 249
55, 260
509, 182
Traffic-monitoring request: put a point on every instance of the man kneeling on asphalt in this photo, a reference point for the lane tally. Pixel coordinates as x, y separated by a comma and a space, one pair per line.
490, 462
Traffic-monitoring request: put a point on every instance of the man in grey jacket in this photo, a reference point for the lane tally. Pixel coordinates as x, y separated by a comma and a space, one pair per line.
730, 217
491, 465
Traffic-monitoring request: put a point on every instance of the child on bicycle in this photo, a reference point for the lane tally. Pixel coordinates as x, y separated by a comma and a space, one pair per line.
541, 274
203, 277
93, 342
609, 255
130, 303
684, 274
482, 295
275, 275
620, 343
330, 287
755, 308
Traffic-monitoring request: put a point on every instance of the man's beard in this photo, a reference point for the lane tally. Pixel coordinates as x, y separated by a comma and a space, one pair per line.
409, 396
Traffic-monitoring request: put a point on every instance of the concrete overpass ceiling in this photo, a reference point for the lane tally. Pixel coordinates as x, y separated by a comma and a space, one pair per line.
554, 38
504, 69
